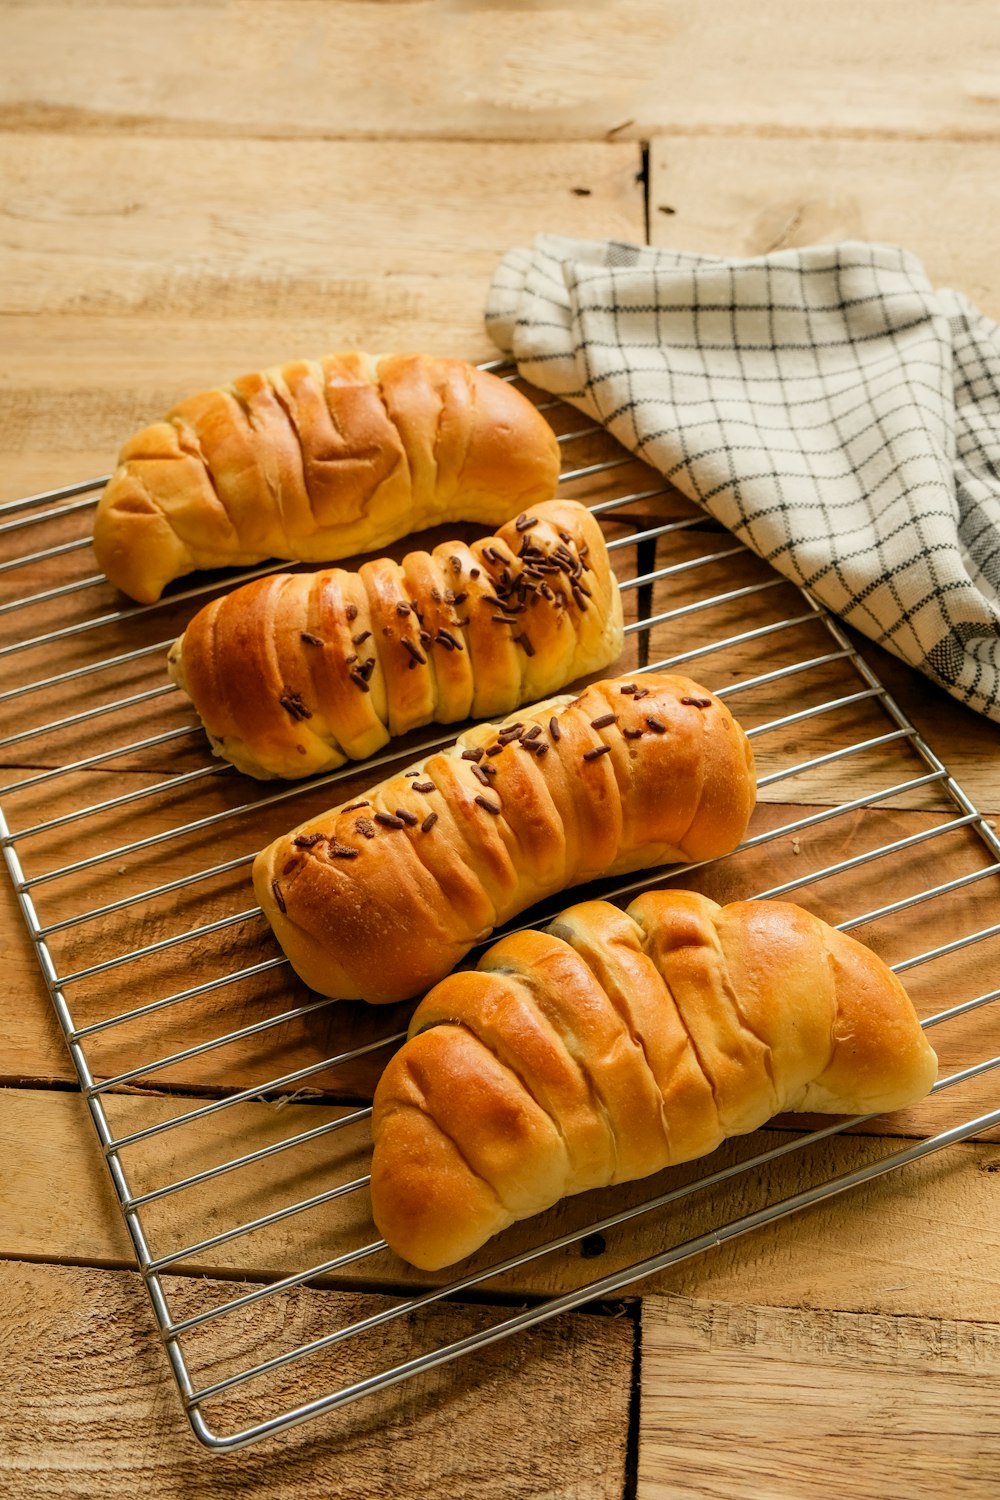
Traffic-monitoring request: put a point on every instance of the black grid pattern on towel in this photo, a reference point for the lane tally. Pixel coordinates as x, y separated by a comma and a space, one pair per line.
829, 406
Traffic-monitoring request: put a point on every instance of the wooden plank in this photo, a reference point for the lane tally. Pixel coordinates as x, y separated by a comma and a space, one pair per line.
33, 1050
703, 565
770, 1403
401, 69
751, 196
923, 1239
269, 227
91, 1408
107, 317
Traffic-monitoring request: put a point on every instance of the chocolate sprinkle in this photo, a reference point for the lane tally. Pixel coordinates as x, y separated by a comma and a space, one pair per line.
428, 822
597, 750
292, 704
524, 523
388, 820
343, 851
494, 749
308, 840
351, 612
476, 754
445, 638
415, 652
632, 734
410, 819
309, 638
533, 732
487, 805
353, 806
628, 687
278, 897
602, 722
656, 725
480, 775
360, 681
365, 827
423, 786
402, 608
357, 640
698, 702
554, 729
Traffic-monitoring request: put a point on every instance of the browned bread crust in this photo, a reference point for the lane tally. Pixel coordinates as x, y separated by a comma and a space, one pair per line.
296, 673
317, 460
380, 899
619, 1043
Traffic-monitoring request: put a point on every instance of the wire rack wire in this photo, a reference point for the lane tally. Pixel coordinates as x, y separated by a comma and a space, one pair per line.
239, 1152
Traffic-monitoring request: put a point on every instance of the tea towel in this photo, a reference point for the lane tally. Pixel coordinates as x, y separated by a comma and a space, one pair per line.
833, 409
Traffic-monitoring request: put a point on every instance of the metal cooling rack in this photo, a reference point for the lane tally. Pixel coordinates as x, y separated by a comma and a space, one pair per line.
251, 1360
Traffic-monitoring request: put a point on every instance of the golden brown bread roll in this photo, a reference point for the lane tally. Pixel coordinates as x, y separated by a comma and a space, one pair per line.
297, 673
316, 460
621, 1042
380, 899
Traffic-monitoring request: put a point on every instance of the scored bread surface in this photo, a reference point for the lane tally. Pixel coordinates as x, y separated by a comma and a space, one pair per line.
296, 673
380, 898
617, 1043
315, 460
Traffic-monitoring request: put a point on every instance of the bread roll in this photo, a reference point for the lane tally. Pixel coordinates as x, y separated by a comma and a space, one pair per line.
380, 899
316, 460
618, 1043
297, 673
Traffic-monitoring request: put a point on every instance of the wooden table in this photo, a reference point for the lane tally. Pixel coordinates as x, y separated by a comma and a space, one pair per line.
193, 191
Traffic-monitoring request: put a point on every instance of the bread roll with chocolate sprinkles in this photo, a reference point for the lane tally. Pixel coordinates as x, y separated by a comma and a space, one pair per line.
617, 1043
298, 673
319, 459
394, 921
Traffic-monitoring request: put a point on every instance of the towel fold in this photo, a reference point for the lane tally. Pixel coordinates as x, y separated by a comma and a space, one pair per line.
829, 406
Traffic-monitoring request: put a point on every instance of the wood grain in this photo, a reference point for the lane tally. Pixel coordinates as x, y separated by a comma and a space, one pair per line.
112, 310
279, 248
756, 195
89, 1406
195, 190
921, 1239
492, 71
767, 1403
787, 862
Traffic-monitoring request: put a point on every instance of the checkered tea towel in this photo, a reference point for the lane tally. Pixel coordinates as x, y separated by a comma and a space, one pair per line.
828, 405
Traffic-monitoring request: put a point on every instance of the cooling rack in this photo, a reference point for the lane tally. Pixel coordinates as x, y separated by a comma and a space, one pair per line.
231, 1105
